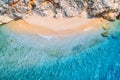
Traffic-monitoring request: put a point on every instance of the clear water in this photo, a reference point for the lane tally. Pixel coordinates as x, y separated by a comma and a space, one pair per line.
79, 57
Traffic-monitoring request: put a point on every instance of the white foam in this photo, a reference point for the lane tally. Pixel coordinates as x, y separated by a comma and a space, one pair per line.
45, 37
87, 29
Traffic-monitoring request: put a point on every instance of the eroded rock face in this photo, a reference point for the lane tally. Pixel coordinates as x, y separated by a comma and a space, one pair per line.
102, 7
16, 9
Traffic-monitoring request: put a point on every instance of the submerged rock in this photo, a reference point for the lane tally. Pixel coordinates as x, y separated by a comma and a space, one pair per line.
106, 27
105, 34
114, 36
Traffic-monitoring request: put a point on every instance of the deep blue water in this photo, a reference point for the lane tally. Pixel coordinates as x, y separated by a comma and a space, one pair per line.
80, 57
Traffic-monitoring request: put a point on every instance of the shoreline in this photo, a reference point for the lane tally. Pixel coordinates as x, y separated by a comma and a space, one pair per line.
48, 26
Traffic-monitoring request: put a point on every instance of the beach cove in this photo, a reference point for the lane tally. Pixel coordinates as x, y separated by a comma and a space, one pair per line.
36, 24
59, 40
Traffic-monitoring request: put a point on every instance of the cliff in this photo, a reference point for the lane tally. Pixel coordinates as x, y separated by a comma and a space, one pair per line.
18, 9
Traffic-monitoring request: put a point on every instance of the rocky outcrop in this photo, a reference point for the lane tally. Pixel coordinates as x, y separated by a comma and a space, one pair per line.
5, 19
17, 9
108, 9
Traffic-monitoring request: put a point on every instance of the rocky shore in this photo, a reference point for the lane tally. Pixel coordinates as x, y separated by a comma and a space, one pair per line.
19, 9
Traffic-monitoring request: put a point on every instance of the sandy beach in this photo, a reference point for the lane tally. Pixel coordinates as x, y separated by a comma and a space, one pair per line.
50, 26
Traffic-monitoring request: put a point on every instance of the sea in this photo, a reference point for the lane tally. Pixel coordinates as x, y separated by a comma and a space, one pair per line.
86, 56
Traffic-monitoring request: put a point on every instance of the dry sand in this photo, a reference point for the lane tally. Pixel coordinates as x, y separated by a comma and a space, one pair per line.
50, 26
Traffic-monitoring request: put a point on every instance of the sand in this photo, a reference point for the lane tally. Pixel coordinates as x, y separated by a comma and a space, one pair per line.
36, 24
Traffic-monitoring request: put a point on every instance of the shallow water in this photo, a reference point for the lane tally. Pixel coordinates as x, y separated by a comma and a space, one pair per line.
79, 57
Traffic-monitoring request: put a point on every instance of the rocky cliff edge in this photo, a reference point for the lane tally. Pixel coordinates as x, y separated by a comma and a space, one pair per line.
18, 9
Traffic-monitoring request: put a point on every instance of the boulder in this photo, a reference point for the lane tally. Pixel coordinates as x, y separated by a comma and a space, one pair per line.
114, 36
106, 27
5, 19
100, 8
105, 34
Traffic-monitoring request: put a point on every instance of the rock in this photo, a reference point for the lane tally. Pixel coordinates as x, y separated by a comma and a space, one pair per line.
70, 12
102, 7
5, 6
56, 1
71, 8
5, 19
106, 27
105, 34
58, 13
111, 16
1, 23
27, 1
114, 36
108, 9
17, 15
1, 2
2, 11
118, 16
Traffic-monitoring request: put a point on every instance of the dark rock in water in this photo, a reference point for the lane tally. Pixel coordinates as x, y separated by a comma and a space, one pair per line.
105, 34
11, 40
77, 49
114, 36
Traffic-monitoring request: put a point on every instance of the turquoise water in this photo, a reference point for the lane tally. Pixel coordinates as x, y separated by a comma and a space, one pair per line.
79, 57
